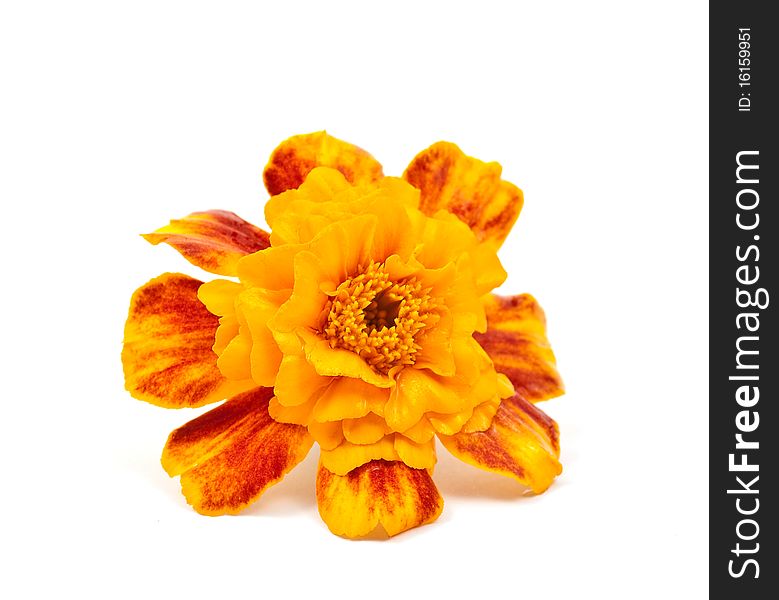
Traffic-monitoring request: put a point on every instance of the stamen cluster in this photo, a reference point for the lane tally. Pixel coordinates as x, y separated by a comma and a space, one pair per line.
379, 319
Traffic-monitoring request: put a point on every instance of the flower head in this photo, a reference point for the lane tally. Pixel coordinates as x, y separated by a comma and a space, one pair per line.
363, 322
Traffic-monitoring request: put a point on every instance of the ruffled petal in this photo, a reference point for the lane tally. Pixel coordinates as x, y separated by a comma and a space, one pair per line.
414, 454
219, 296
229, 456
167, 355
325, 197
365, 430
256, 309
213, 240
271, 269
481, 417
297, 382
421, 432
467, 187
234, 362
516, 341
416, 392
347, 456
522, 442
337, 362
380, 492
328, 435
299, 414
227, 330
349, 398
294, 158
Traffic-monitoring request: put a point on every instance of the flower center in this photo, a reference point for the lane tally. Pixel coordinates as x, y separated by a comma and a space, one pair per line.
379, 319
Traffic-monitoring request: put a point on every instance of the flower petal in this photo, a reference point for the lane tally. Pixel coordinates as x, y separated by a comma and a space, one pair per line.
467, 187
167, 353
299, 414
325, 197
481, 417
522, 442
328, 435
297, 382
365, 430
294, 158
337, 362
349, 398
219, 296
347, 456
271, 269
414, 454
229, 456
227, 330
421, 432
235, 362
213, 240
389, 493
264, 357
516, 341
416, 392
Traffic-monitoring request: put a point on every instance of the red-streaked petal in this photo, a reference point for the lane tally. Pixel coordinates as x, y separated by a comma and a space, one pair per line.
229, 456
522, 442
379, 492
213, 240
467, 187
516, 342
295, 157
167, 353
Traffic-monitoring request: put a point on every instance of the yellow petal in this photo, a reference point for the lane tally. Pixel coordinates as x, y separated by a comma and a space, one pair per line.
466, 187
444, 237
395, 232
343, 247
234, 362
516, 342
387, 493
306, 307
450, 423
421, 432
436, 347
219, 296
336, 362
227, 330
295, 157
348, 456
256, 309
271, 269
298, 415
365, 430
297, 382
416, 393
415, 455
348, 398
167, 355
297, 215
487, 267
482, 416
213, 240
522, 443
229, 456
327, 435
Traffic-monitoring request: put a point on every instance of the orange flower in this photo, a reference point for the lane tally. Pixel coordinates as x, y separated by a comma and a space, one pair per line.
363, 322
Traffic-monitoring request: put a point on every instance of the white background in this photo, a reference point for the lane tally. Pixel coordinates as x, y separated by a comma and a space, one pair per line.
118, 116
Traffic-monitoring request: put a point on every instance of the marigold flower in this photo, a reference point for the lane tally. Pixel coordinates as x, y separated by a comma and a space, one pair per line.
363, 322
